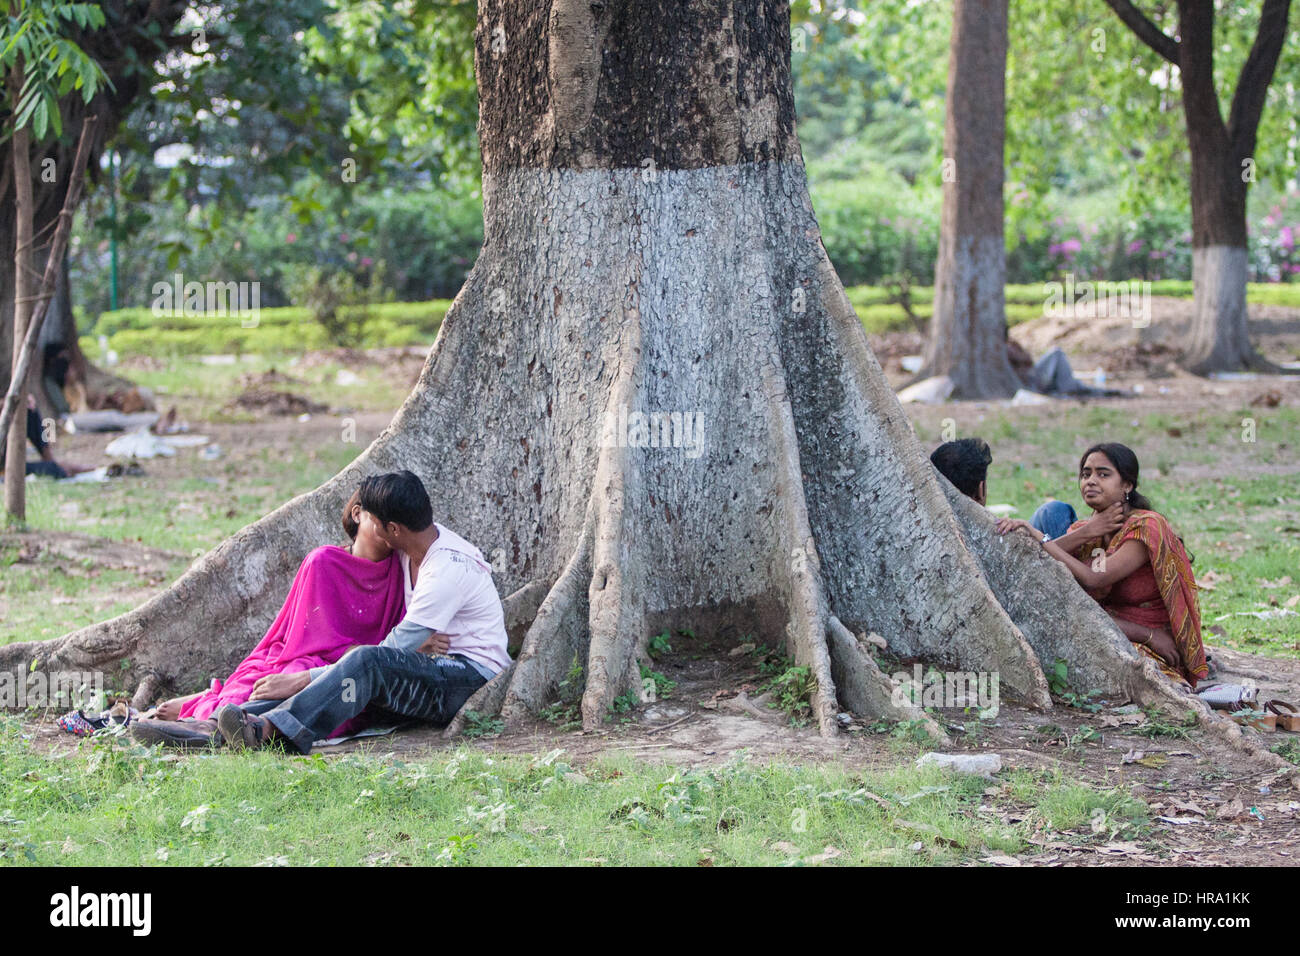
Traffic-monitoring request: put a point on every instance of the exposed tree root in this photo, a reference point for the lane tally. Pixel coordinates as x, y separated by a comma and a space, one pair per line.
805, 600
557, 637
864, 689
903, 570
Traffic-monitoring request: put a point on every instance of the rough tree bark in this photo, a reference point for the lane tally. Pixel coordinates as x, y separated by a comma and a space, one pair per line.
650, 247
968, 330
1222, 162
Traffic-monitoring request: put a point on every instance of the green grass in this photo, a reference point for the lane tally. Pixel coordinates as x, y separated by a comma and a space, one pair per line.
112, 803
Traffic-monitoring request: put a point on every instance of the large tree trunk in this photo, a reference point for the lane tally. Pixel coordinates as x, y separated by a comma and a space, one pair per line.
650, 247
968, 330
1220, 336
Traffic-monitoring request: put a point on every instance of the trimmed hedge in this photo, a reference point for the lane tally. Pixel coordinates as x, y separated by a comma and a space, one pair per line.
139, 331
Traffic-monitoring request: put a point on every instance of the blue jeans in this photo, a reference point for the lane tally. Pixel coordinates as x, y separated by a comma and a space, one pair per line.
1053, 518
386, 681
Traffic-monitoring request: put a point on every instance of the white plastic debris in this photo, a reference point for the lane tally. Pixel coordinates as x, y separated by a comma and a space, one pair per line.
94, 476
929, 391
141, 444
185, 441
912, 363
1025, 397
986, 765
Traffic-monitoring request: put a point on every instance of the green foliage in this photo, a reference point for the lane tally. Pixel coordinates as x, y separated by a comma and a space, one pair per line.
659, 645
792, 691
341, 306
564, 710
663, 686
482, 725
1058, 681
37, 37
623, 703
1157, 725
1288, 749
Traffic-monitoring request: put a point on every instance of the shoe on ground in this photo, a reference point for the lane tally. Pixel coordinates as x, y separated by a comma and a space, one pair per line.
242, 731
186, 734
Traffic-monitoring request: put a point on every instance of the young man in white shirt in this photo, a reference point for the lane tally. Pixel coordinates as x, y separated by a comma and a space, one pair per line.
450, 599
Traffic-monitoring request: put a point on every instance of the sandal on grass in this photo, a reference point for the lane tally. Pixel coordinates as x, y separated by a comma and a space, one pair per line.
1288, 715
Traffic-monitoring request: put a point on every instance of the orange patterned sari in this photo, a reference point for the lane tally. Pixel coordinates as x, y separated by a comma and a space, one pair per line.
1161, 594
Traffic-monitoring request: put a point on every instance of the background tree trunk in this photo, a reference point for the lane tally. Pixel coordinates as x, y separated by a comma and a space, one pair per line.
135, 33
968, 330
24, 288
1222, 159
650, 248
1220, 336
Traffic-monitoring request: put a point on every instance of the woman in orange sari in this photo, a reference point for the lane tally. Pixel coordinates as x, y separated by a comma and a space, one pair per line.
1128, 558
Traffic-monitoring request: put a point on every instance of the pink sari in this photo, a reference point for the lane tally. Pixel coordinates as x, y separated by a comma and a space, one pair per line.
337, 602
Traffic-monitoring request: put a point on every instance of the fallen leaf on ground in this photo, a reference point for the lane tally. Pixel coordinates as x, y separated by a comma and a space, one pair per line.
1231, 810
1122, 720
829, 853
1208, 581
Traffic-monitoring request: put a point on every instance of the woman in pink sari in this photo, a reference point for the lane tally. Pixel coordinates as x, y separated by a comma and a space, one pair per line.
340, 598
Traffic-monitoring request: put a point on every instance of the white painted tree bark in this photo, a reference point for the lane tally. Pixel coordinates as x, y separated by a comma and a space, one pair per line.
650, 250
968, 330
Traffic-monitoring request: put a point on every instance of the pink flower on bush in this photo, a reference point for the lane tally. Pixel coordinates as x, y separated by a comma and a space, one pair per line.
1067, 248
351, 257
1286, 237
343, 237
367, 262
1135, 247
291, 238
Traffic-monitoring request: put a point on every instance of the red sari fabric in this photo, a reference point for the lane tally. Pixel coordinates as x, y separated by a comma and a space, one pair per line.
337, 602
1160, 594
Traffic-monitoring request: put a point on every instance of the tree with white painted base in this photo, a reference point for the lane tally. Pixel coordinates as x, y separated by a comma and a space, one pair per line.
968, 331
650, 248
1223, 166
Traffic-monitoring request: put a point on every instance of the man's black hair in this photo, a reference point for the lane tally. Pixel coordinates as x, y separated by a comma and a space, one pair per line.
398, 496
964, 462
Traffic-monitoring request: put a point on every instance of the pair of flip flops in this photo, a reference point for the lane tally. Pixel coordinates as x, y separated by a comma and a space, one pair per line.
1276, 715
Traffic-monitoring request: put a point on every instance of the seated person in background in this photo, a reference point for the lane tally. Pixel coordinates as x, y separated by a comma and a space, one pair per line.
1130, 560
965, 463
45, 464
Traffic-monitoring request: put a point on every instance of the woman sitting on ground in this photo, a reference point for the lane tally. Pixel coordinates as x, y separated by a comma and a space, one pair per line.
1128, 558
340, 598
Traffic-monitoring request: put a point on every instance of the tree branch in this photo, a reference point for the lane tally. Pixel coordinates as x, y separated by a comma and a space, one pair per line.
1145, 30
1256, 75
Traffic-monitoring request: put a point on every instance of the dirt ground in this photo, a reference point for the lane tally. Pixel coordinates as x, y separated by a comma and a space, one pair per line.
1211, 804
